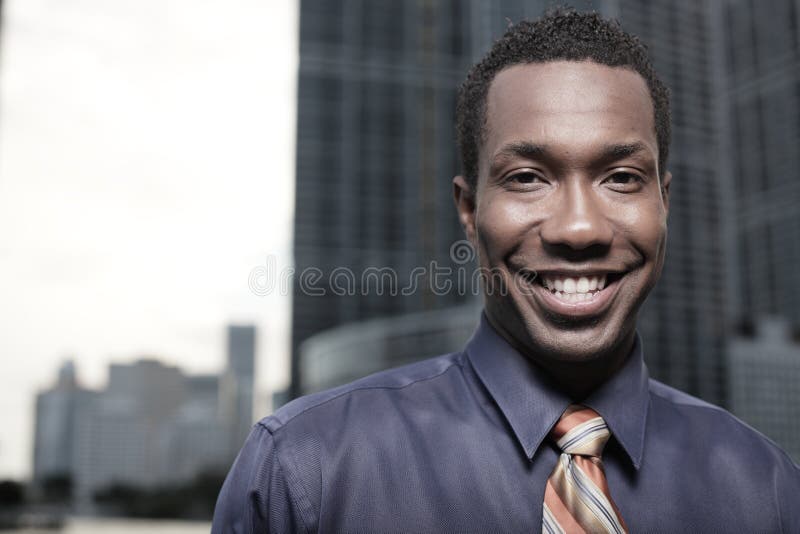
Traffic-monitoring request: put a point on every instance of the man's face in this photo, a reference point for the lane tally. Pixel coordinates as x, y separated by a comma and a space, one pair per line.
569, 210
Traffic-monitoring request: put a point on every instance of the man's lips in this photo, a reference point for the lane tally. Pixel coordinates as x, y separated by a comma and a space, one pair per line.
574, 294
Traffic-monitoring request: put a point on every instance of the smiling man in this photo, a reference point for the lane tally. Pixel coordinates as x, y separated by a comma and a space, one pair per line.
547, 420
568, 201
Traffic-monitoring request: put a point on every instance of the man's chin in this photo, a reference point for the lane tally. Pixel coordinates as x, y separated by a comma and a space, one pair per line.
572, 341
559, 338
574, 351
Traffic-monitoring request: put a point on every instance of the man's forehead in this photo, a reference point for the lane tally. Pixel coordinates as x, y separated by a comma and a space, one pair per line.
568, 99
567, 74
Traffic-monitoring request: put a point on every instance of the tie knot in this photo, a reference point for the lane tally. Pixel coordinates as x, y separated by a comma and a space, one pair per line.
580, 431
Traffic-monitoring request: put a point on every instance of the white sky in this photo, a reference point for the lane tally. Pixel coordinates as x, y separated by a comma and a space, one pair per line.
146, 167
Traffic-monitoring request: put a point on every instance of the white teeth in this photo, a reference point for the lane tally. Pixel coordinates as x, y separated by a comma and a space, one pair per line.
573, 297
574, 289
569, 285
578, 297
583, 285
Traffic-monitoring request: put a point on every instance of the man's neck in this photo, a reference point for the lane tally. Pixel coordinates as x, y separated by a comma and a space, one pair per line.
581, 379
578, 379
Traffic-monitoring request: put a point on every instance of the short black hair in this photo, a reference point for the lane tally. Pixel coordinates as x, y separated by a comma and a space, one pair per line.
560, 34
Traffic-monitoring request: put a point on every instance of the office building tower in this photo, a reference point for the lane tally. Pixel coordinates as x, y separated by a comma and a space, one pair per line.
375, 157
120, 436
763, 375
54, 433
761, 115
238, 383
198, 436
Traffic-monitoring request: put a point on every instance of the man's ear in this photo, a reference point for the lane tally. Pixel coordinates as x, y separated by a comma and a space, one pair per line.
665, 181
464, 196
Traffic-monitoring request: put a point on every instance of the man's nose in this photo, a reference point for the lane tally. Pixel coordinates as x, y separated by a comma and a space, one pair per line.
578, 220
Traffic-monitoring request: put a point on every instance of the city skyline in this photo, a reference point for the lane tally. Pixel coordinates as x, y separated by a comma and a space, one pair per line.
139, 188
137, 232
150, 426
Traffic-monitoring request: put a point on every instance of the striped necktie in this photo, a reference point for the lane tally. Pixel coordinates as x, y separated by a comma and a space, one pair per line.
577, 499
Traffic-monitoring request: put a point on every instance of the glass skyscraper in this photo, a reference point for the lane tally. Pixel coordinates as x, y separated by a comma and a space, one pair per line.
762, 108
375, 156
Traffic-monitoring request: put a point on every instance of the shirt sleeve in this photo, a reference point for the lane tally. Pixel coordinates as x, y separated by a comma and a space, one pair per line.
787, 492
255, 497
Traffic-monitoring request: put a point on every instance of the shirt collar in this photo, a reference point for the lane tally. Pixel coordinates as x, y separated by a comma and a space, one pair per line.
532, 403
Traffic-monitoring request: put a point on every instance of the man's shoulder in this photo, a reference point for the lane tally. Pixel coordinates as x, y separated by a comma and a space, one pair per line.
351, 399
680, 398
713, 426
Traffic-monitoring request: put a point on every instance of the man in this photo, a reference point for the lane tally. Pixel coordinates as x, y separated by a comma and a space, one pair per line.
547, 420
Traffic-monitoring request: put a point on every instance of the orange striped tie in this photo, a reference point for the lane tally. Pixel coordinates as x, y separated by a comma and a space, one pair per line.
577, 499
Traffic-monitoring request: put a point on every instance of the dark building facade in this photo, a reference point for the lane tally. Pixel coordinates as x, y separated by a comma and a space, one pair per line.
376, 154
762, 118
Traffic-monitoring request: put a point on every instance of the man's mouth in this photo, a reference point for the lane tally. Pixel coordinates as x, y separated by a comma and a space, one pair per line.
573, 293
577, 288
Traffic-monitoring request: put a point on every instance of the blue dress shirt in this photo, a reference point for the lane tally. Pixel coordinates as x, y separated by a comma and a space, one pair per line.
458, 443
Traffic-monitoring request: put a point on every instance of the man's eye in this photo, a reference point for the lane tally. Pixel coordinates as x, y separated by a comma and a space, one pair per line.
525, 178
624, 181
623, 178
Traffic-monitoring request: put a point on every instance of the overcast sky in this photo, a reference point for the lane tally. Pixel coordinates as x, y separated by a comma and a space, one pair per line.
146, 167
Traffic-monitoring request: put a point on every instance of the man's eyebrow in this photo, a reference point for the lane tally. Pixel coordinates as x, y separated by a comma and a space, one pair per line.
533, 151
520, 149
620, 151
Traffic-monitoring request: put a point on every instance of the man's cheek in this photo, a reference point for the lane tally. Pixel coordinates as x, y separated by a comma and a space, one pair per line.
494, 240
651, 233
